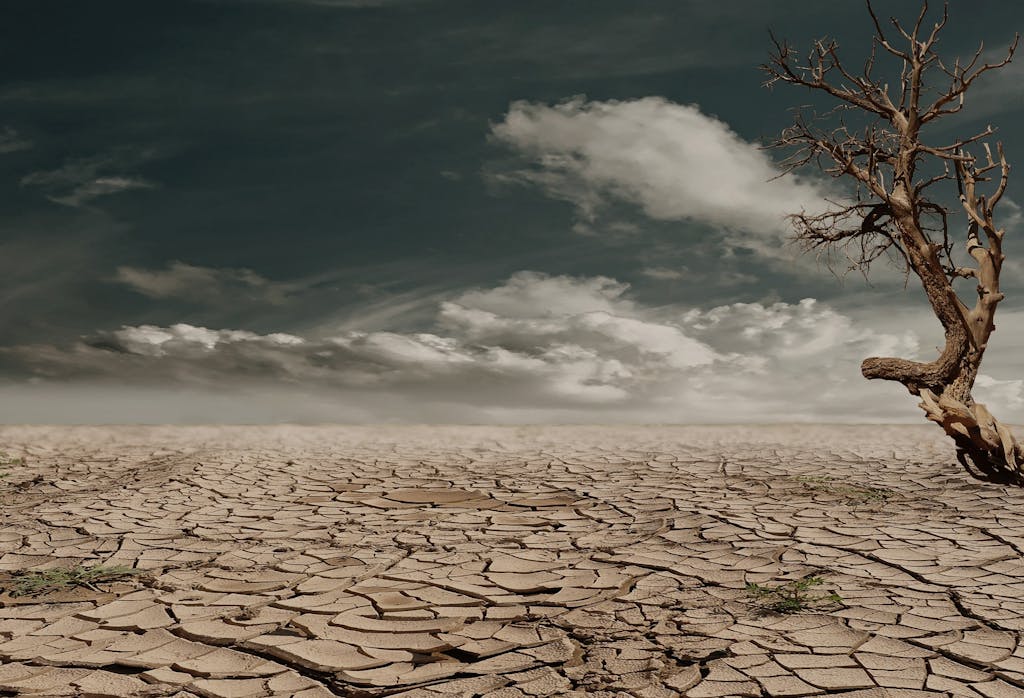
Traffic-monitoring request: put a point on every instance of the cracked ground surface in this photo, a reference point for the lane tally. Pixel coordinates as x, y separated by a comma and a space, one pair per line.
508, 562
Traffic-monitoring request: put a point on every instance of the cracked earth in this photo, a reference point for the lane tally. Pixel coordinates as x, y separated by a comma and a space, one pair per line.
508, 563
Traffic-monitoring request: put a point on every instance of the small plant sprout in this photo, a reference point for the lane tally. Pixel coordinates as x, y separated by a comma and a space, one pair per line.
37, 583
793, 596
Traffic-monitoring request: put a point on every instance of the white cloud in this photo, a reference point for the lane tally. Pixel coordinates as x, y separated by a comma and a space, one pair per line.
671, 160
535, 313
203, 284
79, 181
718, 277
664, 273
991, 391
148, 340
100, 186
535, 348
532, 294
795, 331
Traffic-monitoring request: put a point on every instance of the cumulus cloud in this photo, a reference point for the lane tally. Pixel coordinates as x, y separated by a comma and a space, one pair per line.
671, 160
535, 348
1008, 393
794, 331
202, 284
77, 182
531, 294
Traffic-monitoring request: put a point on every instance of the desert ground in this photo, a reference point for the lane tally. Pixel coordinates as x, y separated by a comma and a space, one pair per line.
508, 562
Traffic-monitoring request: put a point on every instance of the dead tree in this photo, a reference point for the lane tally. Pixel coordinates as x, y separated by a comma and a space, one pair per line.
896, 206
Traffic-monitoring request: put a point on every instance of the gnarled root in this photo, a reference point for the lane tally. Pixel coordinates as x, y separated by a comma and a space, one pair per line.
981, 440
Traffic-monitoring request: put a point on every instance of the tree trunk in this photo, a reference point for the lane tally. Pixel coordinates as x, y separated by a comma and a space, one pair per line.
983, 443
985, 447
945, 385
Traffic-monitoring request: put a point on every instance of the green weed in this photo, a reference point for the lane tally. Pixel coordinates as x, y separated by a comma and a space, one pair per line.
36, 583
792, 597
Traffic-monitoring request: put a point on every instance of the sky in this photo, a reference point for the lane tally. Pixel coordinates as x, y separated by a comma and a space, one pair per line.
381, 211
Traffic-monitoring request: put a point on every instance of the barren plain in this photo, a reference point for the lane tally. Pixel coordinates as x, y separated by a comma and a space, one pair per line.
508, 562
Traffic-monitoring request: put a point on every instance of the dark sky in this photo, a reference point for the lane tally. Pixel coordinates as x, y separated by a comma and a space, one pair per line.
346, 172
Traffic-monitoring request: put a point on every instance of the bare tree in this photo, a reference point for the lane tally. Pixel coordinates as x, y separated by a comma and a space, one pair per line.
902, 204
